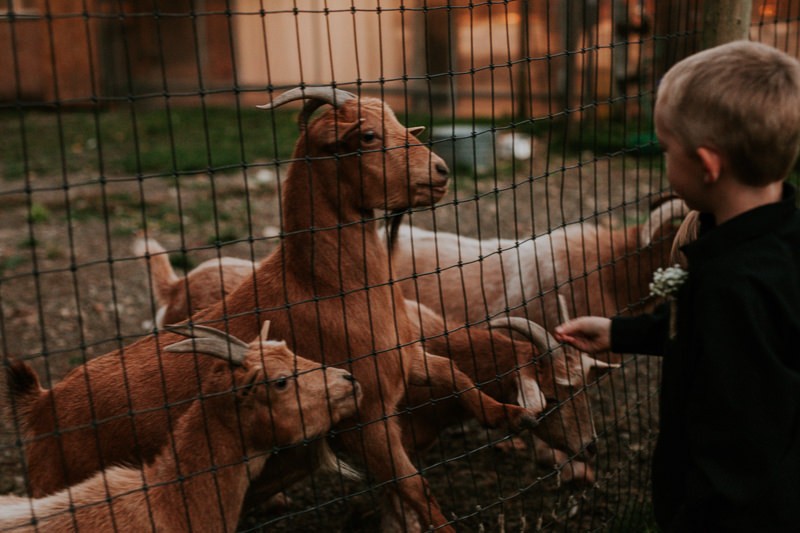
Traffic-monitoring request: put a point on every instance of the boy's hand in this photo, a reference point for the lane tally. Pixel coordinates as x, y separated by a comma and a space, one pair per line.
589, 334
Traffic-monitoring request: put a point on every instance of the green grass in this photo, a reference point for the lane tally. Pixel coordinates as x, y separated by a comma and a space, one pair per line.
128, 141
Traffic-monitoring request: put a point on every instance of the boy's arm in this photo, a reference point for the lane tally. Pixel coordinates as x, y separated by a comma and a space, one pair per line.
593, 334
645, 334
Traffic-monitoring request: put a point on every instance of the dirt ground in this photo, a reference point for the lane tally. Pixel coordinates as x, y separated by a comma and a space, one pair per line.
70, 289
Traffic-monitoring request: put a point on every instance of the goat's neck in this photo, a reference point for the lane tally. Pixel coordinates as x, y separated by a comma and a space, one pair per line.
208, 455
326, 228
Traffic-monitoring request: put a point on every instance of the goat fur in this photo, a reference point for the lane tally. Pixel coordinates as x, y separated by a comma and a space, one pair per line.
178, 298
600, 271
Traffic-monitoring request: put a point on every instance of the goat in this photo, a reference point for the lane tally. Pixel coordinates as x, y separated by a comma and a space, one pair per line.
600, 271
533, 374
325, 290
179, 298
198, 481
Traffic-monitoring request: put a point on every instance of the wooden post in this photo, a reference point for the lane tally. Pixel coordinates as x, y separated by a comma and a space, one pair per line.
726, 21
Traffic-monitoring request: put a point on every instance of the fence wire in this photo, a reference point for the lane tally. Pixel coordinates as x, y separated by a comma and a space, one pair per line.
141, 186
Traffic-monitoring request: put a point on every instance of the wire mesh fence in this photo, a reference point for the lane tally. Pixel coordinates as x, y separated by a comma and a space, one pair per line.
133, 154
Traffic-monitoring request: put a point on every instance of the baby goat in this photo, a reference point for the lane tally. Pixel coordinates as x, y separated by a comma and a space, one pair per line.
198, 481
179, 298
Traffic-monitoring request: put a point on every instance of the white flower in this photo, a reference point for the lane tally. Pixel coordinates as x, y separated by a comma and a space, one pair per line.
666, 282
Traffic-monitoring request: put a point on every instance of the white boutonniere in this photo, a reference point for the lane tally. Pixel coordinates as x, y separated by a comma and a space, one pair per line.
666, 282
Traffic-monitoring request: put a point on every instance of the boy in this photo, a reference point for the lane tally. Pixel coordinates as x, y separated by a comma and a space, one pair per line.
728, 451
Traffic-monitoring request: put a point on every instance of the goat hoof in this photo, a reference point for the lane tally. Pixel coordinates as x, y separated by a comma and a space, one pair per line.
521, 419
528, 421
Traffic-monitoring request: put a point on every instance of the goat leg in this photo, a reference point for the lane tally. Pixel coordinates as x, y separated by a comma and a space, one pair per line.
443, 375
380, 443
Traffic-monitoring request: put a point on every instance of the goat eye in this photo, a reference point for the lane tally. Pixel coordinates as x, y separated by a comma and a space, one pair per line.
368, 136
281, 383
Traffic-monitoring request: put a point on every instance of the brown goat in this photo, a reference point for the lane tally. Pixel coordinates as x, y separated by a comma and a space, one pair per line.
208, 283
325, 290
199, 479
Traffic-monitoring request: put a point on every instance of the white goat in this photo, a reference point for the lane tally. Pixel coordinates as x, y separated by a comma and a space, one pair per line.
599, 271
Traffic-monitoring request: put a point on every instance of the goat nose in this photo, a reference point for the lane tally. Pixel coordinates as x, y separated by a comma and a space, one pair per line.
349, 377
441, 169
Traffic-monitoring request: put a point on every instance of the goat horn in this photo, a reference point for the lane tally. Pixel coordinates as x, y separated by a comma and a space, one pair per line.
215, 347
589, 361
317, 97
209, 341
207, 332
666, 211
687, 232
533, 331
265, 331
562, 307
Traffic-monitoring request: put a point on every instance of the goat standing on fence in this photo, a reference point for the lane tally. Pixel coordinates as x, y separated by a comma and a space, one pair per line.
272, 398
325, 290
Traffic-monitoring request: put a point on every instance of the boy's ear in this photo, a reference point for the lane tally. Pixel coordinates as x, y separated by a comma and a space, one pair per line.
711, 160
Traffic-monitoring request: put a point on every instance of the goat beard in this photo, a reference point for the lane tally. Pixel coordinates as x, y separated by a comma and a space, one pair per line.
395, 219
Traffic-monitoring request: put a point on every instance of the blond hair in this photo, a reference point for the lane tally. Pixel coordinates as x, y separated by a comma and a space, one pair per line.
742, 99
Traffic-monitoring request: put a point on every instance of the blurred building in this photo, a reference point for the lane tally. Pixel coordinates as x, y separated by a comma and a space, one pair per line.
521, 58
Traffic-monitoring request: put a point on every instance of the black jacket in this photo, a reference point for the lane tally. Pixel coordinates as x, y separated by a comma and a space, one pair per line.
728, 452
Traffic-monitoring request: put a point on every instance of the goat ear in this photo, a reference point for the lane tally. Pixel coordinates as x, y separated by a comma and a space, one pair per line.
663, 221
416, 130
563, 311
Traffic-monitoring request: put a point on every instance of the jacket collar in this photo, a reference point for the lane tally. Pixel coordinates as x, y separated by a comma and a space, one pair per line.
714, 240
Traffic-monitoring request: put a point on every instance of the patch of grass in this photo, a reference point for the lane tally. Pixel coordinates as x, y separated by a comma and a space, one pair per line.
201, 210
225, 235
28, 242
144, 139
39, 213
11, 262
